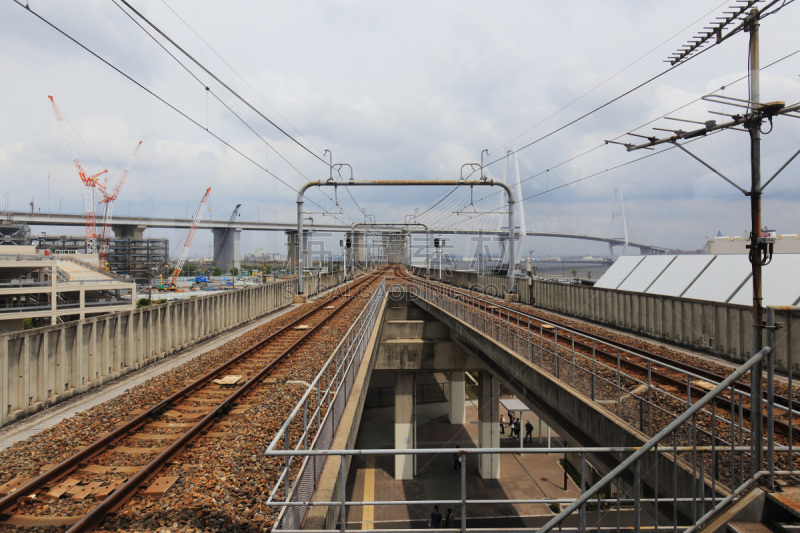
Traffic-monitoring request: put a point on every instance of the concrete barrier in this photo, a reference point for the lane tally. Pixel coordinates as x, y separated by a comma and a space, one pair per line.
720, 329
44, 366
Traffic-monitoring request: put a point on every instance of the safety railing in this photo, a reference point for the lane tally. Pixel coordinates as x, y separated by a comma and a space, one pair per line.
647, 396
624, 502
675, 481
314, 421
713, 426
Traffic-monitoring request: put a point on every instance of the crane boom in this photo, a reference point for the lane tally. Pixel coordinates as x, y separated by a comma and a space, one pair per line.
90, 183
189, 238
225, 234
108, 211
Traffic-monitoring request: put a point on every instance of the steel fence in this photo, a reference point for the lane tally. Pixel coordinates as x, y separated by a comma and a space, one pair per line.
317, 415
700, 455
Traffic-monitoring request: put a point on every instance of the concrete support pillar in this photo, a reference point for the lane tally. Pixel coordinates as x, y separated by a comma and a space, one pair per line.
293, 249
457, 398
488, 425
129, 232
404, 424
230, 252
53, 293
359, 249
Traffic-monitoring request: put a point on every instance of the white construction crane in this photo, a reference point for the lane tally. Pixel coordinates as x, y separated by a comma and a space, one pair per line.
189, 238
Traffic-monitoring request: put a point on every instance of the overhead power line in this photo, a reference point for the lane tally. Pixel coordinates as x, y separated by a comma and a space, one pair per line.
217, 97
214, 76
155, 95
629, 91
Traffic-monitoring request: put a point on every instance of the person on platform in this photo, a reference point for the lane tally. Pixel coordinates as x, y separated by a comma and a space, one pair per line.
502, 424
436, 518
449, 521
528, 431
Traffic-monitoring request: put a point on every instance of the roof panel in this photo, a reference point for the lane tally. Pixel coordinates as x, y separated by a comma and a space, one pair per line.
781, 284
679, 274
618, 271
722, 277
647, 271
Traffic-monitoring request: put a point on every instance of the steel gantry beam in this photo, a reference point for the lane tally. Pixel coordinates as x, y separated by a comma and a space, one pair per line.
402, 224
407, 183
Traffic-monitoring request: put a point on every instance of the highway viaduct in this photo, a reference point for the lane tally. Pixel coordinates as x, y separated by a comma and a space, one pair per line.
135, 226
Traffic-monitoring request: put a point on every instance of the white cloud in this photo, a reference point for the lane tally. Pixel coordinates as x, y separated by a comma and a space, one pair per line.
408, 90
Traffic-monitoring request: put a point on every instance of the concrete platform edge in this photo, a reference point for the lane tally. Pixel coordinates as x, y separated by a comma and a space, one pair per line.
328, 488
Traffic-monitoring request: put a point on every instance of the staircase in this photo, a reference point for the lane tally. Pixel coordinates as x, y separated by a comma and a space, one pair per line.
760, 512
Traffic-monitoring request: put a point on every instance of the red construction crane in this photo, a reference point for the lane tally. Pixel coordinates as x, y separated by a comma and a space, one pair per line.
90, 183
189, 238
108, 211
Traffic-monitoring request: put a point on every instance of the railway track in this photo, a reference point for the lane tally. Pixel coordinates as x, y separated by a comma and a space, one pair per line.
671, 375
102, 477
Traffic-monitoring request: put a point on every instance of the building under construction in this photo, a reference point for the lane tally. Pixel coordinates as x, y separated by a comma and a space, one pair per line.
131, 257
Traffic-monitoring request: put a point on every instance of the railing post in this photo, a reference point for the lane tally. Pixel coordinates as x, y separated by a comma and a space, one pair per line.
582, 512
636, 489
771, 398
286, 465
343, 489
463, 492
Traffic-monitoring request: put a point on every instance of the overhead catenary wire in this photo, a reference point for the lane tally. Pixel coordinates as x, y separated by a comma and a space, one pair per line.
218, 80
617, 73
651, 121
618, 97
155, 95
217, 97
241, 78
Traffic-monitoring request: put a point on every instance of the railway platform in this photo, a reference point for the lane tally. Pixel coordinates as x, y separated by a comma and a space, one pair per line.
521, 476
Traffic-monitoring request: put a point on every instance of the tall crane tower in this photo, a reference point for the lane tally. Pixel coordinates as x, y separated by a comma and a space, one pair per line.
225, 235
90, 183
108, 203
189, 238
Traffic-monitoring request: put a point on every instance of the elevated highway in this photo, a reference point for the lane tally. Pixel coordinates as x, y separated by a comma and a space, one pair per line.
135, 226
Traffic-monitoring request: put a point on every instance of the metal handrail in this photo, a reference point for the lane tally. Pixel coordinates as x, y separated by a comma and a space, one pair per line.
652, 443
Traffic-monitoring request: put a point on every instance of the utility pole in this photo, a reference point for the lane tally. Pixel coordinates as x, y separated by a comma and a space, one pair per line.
754, 128
752, 119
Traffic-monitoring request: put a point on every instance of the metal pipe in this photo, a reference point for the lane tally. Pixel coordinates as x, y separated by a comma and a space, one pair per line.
753, 361
412, 183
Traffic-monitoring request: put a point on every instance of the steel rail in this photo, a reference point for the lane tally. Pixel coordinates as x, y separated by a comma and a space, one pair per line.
127, 490
107, 441
784, 428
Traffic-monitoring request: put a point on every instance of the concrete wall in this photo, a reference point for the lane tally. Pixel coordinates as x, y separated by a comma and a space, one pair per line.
720, 329
575, 417
44, 366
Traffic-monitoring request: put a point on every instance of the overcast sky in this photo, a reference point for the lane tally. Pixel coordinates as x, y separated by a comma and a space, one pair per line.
398, 90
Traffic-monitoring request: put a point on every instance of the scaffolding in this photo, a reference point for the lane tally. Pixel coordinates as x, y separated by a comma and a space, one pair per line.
129, 257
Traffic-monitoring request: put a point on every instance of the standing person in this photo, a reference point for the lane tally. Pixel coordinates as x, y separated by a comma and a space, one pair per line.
436, 518
516, 428
456, 462
449, 521
502, 424
528, 431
